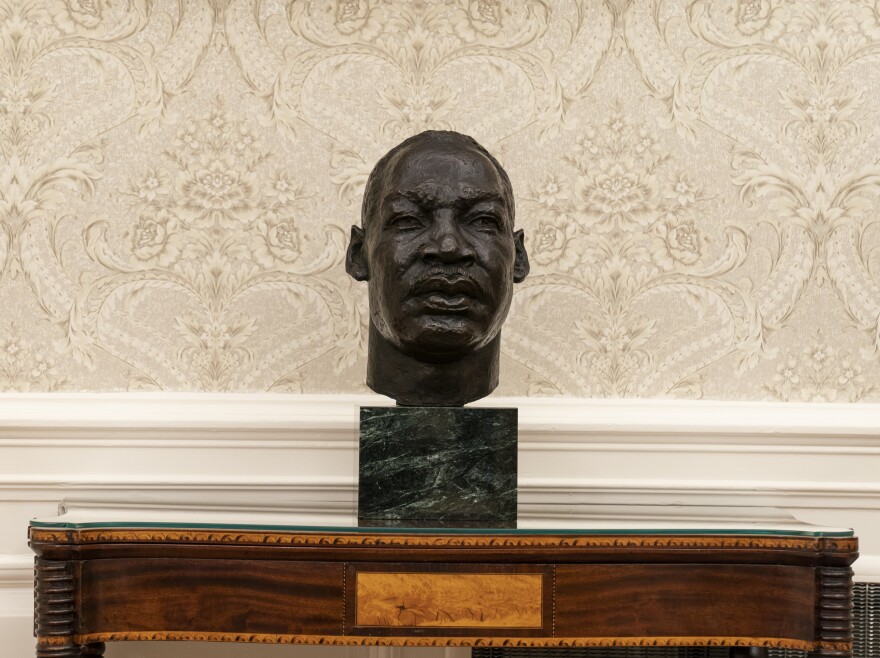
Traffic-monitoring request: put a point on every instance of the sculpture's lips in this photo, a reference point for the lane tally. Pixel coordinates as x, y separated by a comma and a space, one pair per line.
446, 303
447, 294
449, 286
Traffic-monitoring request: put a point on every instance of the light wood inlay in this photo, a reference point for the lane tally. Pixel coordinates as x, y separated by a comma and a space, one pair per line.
444, 600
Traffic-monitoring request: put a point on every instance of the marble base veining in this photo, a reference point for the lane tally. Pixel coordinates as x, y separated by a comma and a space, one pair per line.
440, 466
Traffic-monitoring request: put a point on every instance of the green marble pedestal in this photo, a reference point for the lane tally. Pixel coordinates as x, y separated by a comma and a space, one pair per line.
436, 466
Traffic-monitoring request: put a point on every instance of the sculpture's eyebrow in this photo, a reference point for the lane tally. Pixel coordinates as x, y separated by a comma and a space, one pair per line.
431, 196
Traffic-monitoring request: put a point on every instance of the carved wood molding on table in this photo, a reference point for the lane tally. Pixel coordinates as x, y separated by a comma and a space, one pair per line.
88, 536
386, 640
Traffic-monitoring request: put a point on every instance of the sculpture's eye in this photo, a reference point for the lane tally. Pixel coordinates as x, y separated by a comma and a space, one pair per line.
405, 223
484, 222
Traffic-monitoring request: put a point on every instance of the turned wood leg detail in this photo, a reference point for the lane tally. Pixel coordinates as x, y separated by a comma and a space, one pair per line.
834, 613
59, 651
55, 610
94, 650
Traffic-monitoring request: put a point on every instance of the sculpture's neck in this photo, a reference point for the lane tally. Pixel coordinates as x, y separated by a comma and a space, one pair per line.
416, 383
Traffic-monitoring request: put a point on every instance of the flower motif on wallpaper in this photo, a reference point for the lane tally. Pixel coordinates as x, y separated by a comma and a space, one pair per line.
217, 190
810, 175
152, 184
216, 348
553, 242
216, 221
621, 184
551, 192
822, 119
32, 195
23, 106
24, 368
51, 161
733, 22
156, 238
677, 244
765, 18
30, 192
413, 113
617, 196
869, 18
73, 15
214, 181
353, 21
416, 48
478, 18
614, 352
818, 373
617, 187
98, 18
360, 18
621, 228
277, 240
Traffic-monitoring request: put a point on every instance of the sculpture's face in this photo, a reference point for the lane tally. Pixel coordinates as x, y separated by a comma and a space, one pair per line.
441, 252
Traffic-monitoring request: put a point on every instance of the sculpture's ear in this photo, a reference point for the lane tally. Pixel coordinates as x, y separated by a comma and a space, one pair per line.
521, 258
356, 257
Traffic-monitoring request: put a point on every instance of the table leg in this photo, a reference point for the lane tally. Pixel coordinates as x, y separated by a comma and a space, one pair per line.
59, 651
55, 612
834, 622
95, 650
55, 609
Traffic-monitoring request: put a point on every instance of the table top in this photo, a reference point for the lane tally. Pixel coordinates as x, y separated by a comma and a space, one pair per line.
702, 576
571, 520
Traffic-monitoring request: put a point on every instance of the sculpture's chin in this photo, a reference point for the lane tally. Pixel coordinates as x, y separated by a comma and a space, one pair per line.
442, 369
441, 338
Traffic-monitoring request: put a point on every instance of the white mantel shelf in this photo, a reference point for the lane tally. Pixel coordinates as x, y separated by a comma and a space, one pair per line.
540, 418
264, 452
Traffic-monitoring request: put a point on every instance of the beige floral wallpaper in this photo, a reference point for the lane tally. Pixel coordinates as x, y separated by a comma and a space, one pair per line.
699, 182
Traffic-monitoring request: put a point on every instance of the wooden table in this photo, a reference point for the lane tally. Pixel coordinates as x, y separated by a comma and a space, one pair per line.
738, 587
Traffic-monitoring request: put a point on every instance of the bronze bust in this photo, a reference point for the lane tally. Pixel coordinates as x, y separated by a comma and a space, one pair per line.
440, 254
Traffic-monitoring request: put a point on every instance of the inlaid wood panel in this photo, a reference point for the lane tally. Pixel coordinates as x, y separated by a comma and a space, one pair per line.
449, 599
686, 599
230, 596
499, 600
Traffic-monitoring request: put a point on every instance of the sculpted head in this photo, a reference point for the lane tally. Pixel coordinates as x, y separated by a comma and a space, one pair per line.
440, 254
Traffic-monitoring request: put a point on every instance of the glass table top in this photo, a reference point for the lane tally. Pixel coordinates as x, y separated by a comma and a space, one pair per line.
533, 520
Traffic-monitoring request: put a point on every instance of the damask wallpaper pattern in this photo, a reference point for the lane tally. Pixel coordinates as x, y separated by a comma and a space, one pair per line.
698, 181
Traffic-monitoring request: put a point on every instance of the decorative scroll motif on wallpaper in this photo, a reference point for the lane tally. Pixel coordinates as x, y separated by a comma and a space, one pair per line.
698, 181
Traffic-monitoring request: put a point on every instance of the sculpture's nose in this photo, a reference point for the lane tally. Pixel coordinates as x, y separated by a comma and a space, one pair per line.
445, 241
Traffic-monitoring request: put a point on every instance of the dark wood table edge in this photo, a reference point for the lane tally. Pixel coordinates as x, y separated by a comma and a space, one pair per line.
59, 550
433, 641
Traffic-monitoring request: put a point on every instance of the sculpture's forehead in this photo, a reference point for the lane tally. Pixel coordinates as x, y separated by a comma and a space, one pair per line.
445, 172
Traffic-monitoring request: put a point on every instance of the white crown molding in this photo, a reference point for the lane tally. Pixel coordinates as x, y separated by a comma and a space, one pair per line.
202, 418
305, 493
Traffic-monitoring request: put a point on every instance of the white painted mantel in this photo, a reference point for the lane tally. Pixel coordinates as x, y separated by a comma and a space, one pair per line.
217, 452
